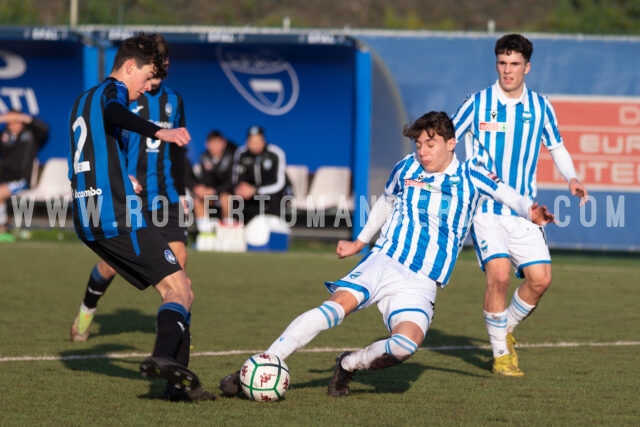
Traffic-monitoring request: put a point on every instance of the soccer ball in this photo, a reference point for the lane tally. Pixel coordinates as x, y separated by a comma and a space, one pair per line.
264, 377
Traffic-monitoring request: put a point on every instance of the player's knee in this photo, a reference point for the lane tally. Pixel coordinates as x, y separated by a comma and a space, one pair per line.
538, 278
540, 285
400, 347
499, 280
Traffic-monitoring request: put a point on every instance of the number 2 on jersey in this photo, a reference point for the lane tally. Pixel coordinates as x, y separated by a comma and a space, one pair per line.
79, 166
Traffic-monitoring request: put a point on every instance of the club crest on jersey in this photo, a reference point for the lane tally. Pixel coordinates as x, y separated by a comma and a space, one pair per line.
168, 109
527, 116
169, 256
454, 180
268, 164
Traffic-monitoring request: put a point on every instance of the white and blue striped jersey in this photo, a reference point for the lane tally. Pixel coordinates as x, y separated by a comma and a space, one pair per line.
432, 213
506, 134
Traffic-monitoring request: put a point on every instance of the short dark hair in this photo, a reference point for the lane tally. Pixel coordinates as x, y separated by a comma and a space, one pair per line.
144, 49
437, 122
215, 134
514, 43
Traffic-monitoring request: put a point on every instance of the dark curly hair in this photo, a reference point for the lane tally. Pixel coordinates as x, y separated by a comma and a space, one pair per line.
514, 43
145, 49
437, 122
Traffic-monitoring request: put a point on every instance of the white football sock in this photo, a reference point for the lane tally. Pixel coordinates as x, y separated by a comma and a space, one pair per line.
497, 329
398, 346
306, 327
517, 311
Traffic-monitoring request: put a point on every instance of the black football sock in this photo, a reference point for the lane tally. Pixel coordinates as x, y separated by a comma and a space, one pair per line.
184, 350
171, 325
96, 287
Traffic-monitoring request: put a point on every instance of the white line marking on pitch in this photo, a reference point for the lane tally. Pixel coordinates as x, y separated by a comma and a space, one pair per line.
311, 350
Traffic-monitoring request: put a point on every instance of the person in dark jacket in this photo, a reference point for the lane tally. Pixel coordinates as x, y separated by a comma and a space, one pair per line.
21, 136
213, 178
259, 177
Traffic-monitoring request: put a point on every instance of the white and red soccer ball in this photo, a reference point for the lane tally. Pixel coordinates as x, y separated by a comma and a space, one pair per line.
264, 377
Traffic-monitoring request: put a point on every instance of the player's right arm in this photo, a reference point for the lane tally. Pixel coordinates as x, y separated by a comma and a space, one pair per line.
119, 115
381, 210
377, 217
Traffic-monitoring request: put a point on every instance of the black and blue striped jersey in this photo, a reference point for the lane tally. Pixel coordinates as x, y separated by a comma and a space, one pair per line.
158, 165
102, 192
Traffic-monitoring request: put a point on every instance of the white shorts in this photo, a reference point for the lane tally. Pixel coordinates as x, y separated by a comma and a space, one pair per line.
401, 294
513, 237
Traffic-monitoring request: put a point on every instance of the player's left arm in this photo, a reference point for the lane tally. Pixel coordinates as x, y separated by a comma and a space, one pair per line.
490, 185
559, 153
563, 162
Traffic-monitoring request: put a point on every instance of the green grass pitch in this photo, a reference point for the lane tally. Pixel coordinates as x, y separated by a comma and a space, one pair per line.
580, 349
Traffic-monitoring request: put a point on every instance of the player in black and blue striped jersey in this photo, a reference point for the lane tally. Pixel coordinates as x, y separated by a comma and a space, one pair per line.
106, 209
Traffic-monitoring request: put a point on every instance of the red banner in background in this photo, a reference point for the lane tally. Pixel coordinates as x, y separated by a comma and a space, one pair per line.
603, 136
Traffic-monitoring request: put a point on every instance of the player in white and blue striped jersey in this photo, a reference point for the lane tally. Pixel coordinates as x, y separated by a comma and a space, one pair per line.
425, 213
505, 126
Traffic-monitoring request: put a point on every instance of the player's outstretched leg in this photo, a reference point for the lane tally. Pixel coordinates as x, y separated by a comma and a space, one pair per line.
379, 355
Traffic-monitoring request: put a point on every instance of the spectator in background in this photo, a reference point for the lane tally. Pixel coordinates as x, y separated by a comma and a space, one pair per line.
259, 176
21, 136
213, 175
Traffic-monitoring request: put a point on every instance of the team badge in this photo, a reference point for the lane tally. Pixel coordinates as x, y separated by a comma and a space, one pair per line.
168, 109
527, 116
263, 77
454, 180
169, 256
268, 164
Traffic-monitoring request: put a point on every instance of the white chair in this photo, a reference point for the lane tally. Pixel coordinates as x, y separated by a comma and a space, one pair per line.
53, 182
330, 189
35, 171
299, 178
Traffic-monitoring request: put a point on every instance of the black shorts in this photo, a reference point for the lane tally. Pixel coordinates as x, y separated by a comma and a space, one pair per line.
169, 220
143, 258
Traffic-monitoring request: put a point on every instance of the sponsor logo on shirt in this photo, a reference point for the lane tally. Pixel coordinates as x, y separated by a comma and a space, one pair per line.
494, 127
417, 184
495, 178
87, 193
